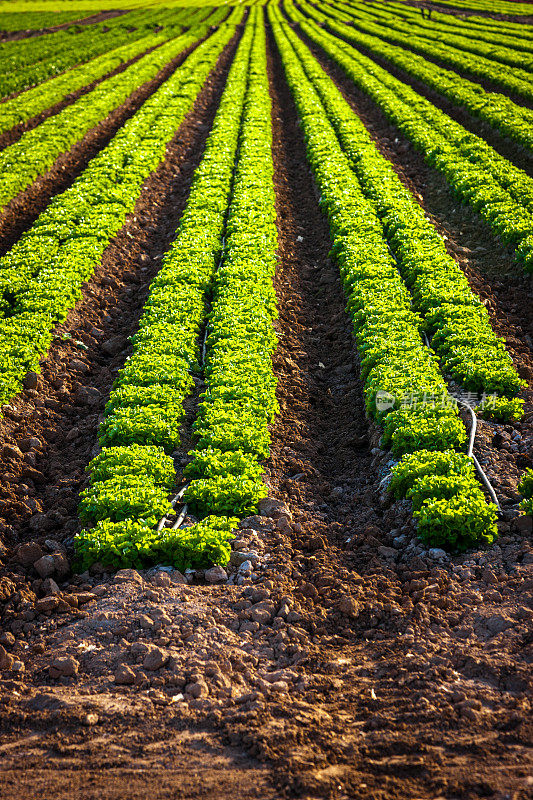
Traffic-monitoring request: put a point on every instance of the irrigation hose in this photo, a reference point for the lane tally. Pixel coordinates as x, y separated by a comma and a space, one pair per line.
471, 455
470, 452
161, 523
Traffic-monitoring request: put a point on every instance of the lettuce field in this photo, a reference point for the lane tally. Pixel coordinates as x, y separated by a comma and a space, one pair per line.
266, 399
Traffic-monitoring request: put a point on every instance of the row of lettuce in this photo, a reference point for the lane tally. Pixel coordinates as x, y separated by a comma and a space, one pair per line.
38, 149
377, 234
498, 62
500, 192
508, 118
37, 20
454, 317
217, 276
492, 6
382, 243
28, 62
42, 275
517, 37
32, 102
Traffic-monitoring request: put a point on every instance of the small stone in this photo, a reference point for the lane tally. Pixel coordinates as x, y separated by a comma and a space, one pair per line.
524, 525
46, 604
85, 597
78, 365
90, 719
263, 612
349, 606
497, 624
29, 443
64, 667
245, 567
45, 566
315, 543
7, 639
268, 507
238, 557
49, 586
61, 565
216, 575
31, 380
247, 697
161, 579
11, 451
155, 659
177, 577
18, 666
113, 346
387, 552
437, 553
28, 553
124, 675
197, 689
127, 576
6, 659
145, 622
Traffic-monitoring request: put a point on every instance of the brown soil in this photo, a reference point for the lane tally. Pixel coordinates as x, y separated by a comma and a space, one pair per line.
24, 209
14, 134
350, 663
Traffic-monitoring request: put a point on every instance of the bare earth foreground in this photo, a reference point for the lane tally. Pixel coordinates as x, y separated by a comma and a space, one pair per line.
351, 662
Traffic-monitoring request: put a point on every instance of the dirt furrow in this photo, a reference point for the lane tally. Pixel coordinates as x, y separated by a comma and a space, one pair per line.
63, 411
24, 209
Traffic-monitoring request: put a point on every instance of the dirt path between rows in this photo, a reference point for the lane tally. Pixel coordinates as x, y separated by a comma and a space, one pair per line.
340, 660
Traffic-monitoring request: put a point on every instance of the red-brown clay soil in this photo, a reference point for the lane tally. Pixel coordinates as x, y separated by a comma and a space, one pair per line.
341, 659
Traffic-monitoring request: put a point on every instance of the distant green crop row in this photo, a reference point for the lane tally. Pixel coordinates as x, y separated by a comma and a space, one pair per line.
500, 192
37, 20
26, 63
42, 275
132, 476
32, 102
38, 149
510, 34
395, 360
493, 6
231, 430
496, 60
463, 338
498, 110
